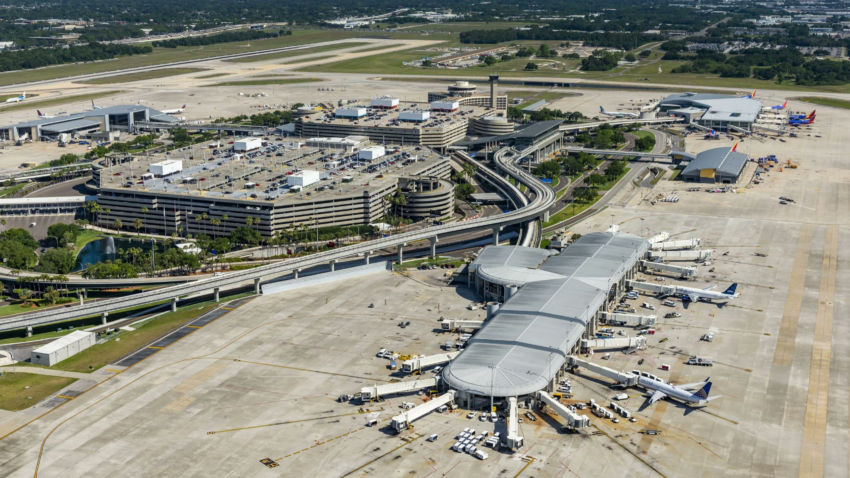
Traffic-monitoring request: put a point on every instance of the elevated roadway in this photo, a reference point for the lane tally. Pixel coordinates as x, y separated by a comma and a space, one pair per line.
615, 122
535, 208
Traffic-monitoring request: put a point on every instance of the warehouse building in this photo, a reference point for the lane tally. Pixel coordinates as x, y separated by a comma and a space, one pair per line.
718, 165
719, 112
62, 348
548, 304
84, 125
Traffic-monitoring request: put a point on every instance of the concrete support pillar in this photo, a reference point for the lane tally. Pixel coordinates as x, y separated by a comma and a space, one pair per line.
295, 273
103, 316
215, 291
174, 304
545, 217
400, 255
85, 293
257, 285
29, 330
80, 295
333, 265
434, 247
366, 255
496, 236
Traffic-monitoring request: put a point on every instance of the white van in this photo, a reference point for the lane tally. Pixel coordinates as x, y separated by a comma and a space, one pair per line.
32, 224
371, 423
481, 455
472, 415
432, 437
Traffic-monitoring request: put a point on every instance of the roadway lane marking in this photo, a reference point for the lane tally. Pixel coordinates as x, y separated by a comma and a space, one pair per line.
814, 428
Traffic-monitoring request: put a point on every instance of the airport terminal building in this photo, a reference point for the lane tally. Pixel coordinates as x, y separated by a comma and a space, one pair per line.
719, 112
84, 125
548, 304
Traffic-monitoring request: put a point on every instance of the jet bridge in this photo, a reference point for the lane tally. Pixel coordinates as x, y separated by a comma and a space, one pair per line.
683, 271
650, 287
377, 391
629, 320
659, 238
622, 378
455, 324
403, 421
680, 244
514, 440
693, 255
615, 343
574, 420
419, 363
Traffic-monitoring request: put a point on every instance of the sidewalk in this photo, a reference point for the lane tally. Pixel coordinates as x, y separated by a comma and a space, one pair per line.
57, 373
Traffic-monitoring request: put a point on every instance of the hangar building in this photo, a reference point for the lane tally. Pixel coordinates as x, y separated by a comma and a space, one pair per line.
720, 112
115, 118
718, 165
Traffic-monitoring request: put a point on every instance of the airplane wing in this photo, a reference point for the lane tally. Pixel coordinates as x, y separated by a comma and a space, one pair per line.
693, 297
686, 386
710, 287
656, 396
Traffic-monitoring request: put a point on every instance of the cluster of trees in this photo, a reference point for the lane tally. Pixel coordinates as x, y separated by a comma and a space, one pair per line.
594, 181
602, 60
266, 118
227, 37
140, 142
606, 137
571, 165
17, 248
623, 41
463, 190
645, 143
780, 65
546, 114
40, 57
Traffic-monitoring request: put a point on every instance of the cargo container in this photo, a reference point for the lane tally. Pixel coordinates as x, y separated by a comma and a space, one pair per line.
166, 168
247, 144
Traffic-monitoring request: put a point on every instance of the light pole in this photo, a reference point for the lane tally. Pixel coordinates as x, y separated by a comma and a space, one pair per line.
641, 228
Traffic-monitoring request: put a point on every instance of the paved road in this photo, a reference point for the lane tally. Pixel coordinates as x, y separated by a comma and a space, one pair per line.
74, 187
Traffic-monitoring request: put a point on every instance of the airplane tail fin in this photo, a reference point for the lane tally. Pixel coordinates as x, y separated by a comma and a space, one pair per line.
92, 103
784, 104
602, 109
812, 114
731, 290
753, 95
704, 391
183, 107
38, 111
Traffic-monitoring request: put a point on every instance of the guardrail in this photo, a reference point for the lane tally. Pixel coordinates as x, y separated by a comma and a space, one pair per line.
544, 198
214, 126
615, 122
45, 171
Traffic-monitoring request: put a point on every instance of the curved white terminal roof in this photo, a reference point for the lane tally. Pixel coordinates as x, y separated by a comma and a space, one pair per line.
523, 345
512, 265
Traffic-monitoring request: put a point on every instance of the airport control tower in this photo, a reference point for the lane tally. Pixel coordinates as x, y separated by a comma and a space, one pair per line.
494, 79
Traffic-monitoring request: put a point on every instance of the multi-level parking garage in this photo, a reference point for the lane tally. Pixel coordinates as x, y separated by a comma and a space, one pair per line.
549, 304
529, 212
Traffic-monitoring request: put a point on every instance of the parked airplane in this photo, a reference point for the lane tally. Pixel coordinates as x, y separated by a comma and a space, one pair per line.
618, 114
780, 107
798, 117
17, 99
95, 107
694, 295
679, 392
802, 121
177, 111
751, 95
43, 115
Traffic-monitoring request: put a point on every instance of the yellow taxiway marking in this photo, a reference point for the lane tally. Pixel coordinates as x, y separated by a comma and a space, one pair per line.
110, 370
152, 347
194, 326
63, 396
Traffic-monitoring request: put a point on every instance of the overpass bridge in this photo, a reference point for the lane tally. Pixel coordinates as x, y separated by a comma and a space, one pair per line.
616, 122
535, 208
235, 128
46, 172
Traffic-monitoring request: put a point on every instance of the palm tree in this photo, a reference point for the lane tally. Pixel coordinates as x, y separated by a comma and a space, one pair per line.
3, 222
145, 211
117, 224
51, 295
198, 218
204, 217
138, 225
180, 230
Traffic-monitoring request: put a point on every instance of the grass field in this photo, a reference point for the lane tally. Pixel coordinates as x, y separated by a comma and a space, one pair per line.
825, 101
305, 51
270, 81
58, 101
14, 396
642, 134
574, 209
214, 75
8, 192
167, 55
306, 60
658, 178
142, 75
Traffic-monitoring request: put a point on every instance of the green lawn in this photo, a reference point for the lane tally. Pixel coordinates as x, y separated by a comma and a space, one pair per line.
825, 101
574, 208
642, 134
11, 190
307, 60
674, 175
86, 236
15, 396
288, 81
143, 75
658, 178
305, 51
214, 75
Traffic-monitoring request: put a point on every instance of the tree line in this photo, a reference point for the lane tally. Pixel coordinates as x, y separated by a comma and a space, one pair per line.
39, 57
226, 37
623, 41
